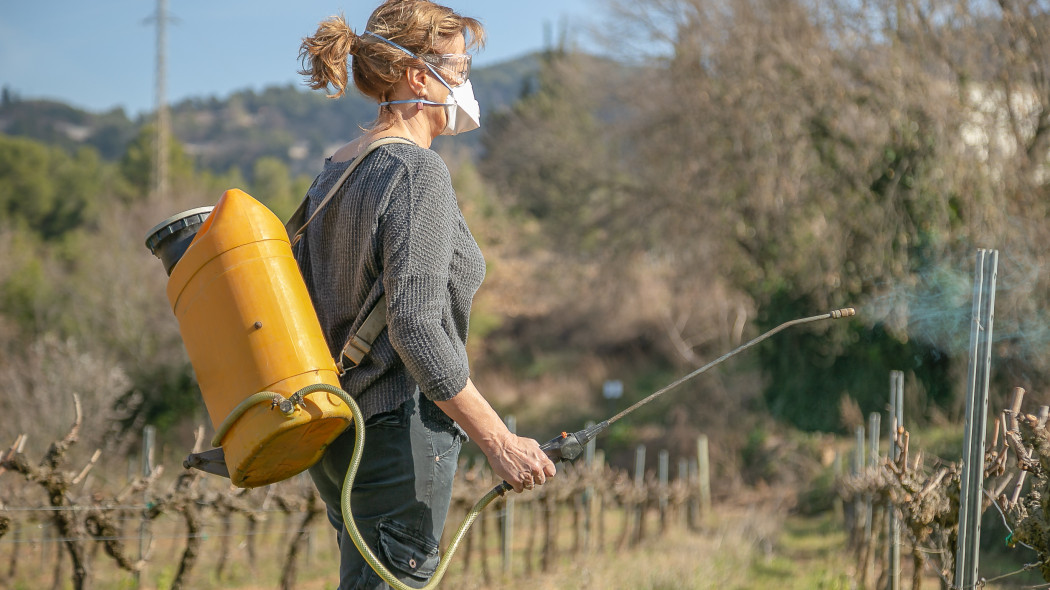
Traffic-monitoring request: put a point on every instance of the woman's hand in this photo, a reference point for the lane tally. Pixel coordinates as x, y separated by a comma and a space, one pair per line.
520, 462
516, 459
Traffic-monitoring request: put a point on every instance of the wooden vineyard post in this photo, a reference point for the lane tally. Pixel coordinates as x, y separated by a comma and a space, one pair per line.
483, 546
639, 486
683, 480
602, 500
588, 493
664, 460
703, 477
508, 514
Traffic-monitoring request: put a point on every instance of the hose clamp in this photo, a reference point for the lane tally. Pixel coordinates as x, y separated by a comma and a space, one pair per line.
288, 405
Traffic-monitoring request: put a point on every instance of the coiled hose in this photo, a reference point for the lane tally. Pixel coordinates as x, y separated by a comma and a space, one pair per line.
278, 400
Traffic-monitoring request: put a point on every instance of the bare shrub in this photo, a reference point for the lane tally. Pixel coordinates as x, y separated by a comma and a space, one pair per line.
39, 379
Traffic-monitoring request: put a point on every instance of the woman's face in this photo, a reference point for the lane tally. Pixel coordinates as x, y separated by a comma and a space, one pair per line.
436, 91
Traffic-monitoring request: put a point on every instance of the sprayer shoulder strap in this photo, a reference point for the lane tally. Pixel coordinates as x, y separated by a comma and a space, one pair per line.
296, 225
360, 343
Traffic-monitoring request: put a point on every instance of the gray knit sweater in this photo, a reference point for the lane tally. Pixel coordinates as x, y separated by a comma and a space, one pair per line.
395, 228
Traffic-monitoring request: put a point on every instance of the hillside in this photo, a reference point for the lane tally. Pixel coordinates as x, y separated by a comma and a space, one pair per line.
290, 123
59, 124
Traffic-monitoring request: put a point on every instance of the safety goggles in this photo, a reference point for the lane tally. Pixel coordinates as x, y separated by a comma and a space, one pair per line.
453, 67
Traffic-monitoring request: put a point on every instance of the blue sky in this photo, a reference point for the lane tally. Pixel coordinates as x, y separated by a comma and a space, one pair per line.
101, 55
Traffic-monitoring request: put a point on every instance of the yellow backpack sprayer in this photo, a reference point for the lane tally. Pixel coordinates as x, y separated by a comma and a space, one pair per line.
248, 326
267, 379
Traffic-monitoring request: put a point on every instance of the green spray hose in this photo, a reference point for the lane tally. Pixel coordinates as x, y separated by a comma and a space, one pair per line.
287, 405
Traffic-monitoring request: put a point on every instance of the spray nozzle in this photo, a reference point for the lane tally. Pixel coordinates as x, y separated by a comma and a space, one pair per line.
568, 446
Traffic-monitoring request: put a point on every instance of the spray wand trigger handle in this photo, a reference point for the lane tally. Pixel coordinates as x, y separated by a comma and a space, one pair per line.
564, 447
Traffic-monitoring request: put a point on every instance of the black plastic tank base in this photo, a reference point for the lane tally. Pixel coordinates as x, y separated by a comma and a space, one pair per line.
169, 239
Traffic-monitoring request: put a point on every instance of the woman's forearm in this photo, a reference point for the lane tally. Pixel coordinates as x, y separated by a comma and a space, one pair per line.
516, 459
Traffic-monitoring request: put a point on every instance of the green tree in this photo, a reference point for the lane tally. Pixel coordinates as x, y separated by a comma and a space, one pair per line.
27, 191
555, 162
48, 190
27, 296
272, 185
137, 164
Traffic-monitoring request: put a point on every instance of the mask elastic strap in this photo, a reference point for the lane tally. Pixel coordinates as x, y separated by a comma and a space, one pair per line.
418, 100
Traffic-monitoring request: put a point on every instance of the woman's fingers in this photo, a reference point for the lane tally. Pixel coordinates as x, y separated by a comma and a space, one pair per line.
550, 470
526, 465
541, 466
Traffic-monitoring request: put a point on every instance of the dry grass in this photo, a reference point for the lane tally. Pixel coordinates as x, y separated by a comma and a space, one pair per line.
747, 546
741, 547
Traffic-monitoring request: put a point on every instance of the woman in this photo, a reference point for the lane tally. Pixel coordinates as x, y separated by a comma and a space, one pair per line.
394, 229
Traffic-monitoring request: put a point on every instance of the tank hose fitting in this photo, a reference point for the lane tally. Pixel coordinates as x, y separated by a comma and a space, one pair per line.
275, 400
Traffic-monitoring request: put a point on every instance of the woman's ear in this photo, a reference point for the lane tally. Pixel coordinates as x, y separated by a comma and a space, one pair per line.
417, 80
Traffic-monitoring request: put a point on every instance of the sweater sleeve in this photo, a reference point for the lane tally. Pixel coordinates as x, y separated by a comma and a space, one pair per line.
416, 236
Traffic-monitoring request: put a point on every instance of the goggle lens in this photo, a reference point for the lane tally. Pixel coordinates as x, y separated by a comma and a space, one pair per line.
454, 67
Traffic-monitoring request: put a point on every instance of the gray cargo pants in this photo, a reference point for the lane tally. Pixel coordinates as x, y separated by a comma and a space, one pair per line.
401, 494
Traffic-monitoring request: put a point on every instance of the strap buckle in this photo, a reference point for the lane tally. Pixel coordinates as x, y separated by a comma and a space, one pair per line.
355, 351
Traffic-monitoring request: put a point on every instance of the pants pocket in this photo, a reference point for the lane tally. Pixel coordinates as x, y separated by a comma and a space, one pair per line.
446, 446
407, 552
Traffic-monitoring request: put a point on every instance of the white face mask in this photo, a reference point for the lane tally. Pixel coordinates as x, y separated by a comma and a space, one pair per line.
462, 110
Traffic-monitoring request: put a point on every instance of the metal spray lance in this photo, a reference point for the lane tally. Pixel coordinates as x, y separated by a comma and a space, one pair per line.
568, 446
